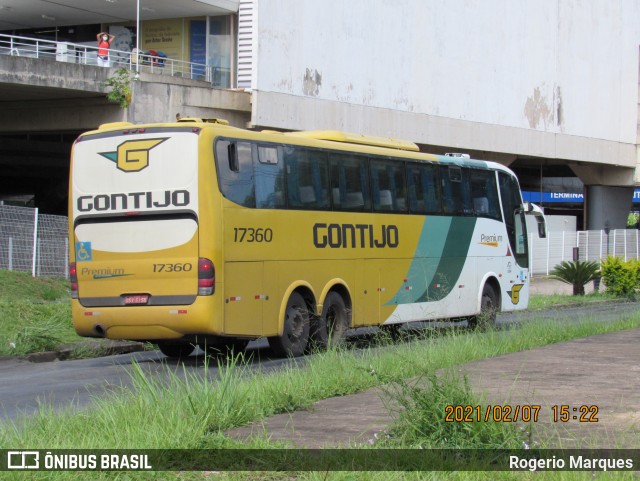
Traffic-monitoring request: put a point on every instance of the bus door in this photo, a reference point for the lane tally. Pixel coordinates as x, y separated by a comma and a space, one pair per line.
373, 286
514, 218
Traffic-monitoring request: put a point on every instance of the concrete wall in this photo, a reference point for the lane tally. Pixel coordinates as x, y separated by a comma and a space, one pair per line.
551, 78
157, 99
44, 95
608, 207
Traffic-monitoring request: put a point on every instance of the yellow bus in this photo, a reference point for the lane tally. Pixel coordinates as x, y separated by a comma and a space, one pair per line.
197, 233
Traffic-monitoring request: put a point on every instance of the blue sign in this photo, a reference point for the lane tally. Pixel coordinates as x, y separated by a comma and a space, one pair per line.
563, 197
198, 46
83, 252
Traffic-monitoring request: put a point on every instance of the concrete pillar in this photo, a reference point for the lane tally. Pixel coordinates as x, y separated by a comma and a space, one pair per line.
607, 206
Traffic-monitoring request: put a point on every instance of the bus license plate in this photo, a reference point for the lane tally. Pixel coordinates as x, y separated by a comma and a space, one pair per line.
136, 299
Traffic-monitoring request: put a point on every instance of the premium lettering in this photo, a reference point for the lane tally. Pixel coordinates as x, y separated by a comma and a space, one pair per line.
133, 200
490, 238
345, 236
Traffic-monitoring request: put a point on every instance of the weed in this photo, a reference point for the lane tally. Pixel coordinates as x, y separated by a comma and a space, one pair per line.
423, 420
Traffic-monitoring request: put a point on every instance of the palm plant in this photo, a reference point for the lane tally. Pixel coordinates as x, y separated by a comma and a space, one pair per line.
577, 273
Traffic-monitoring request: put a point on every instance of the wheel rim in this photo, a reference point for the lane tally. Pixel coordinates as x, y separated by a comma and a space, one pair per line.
295, 323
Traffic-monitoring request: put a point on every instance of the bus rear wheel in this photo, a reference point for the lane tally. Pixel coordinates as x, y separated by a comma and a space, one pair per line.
331, 327
176, 350
295, 335
488, 310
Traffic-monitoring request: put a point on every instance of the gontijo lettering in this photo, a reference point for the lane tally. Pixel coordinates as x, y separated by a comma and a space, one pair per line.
133, 200
355, 235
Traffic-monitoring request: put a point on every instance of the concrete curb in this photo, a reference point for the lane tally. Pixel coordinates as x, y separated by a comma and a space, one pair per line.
103, 348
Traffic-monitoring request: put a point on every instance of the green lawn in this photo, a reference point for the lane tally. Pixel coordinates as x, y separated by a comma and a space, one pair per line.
35, 314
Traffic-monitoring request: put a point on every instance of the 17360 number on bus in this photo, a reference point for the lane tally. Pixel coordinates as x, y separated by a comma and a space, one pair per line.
249, 234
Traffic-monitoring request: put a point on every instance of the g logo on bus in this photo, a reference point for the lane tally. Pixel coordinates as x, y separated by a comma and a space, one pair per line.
133, 155
515, 293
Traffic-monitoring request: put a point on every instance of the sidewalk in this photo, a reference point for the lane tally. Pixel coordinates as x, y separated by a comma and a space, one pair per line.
602, 371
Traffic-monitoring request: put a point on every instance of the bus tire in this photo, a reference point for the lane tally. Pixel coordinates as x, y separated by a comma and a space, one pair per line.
330, 328
176, 350
488, 310
295, 333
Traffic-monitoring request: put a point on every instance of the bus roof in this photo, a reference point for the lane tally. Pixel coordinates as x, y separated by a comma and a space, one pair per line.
410, 149
339, 136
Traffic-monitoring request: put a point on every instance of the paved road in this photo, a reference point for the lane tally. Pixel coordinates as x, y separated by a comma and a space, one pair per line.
73, 383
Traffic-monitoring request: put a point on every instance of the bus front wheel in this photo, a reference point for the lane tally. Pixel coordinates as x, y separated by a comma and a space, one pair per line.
330, 328
295, 335
488, 310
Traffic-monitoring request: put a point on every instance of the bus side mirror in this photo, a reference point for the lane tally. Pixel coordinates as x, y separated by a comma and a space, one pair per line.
542, 228
535, 210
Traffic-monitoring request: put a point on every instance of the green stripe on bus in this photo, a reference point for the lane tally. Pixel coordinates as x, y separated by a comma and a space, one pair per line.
438, 261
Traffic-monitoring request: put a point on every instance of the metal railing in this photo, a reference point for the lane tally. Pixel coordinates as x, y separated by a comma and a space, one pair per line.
592, 245
136, 61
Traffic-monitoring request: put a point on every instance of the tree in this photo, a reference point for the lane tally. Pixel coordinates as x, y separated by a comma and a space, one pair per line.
577, 274
120, 85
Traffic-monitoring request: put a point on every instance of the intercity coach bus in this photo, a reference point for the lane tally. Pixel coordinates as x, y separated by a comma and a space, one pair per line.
198, 233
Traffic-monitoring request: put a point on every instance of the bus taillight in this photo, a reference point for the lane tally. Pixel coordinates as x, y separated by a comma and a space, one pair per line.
206, 277
73, 278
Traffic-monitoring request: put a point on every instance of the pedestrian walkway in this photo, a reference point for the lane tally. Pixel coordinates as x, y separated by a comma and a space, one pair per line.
601, 371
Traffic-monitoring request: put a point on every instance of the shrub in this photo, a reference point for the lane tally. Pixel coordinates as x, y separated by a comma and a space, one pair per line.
622, 278
576, 273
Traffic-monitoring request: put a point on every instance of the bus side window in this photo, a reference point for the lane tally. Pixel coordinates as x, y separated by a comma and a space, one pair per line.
484, 193
269, 178
235, 171
422, 187
429, 179
350, 182
450, 201
307, 179
388, 186
456, 191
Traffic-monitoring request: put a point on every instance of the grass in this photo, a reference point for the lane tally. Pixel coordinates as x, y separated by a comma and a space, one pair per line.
21, 286
537, 302
35, 314
422, 417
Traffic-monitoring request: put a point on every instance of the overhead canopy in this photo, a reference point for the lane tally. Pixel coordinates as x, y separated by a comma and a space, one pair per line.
19, 14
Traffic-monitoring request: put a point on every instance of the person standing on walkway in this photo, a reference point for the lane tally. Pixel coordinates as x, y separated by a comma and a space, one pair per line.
104, 42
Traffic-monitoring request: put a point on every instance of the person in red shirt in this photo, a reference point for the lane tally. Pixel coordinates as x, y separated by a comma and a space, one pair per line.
104, 42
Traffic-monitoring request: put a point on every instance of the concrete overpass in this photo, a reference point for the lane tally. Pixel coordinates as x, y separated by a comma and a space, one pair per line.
46, 104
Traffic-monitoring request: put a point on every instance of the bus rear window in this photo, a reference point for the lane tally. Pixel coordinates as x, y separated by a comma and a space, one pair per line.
235, 171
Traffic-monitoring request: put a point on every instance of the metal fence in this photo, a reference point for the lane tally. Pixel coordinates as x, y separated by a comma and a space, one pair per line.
593, 245
38, 243
139, 61
33, 242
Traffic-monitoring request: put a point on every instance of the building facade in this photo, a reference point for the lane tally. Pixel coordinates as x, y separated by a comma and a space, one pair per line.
548, 87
